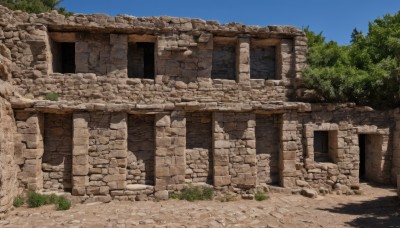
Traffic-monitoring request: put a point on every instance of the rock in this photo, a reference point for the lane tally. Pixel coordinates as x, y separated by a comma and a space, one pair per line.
161, 195
302, 183
310, 193
136, 187
103, 199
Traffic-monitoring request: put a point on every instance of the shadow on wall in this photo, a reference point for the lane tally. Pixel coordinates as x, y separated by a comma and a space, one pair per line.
379, 212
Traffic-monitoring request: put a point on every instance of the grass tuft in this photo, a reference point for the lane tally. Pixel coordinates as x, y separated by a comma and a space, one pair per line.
193, 193
260, 196
37, 200
63, 204
18, 201
52, 96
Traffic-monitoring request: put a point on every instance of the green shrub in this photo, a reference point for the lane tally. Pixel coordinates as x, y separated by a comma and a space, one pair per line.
174, 195
63, 204
18, 201
36, 199
260, 196
208, 193
51, 199
192, 193
52, 96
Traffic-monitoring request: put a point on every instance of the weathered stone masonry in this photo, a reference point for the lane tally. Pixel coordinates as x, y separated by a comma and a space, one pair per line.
150, 105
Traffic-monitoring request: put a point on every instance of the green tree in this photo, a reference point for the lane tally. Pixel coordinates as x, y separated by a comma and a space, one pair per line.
366, 72
35, 6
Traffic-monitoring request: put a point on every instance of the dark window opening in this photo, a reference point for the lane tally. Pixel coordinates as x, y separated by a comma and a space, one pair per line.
64, 57
361, 143
321, 146
141, 60
262, 62
224, 61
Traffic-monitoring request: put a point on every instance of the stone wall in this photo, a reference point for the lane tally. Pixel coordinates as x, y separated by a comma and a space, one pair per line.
29, 149
199, 163
344, 125
141, 150
135, 137
235, 150
57, 157
8, 167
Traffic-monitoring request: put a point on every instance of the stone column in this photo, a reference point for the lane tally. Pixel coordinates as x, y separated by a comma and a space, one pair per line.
234, 150
243, 62
118, 54
285, 60
30, 148
170, 162
288, 151
221, 152
80, 156
116, 180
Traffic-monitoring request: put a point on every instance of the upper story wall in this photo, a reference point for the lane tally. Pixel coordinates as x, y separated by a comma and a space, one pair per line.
97, 58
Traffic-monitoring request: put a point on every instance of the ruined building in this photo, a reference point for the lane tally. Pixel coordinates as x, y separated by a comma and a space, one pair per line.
149, 105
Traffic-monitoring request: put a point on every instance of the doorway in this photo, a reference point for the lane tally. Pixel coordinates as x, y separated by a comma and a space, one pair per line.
370, 157
361, 143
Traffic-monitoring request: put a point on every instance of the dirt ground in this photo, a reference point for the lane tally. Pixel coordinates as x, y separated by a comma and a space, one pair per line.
377, 207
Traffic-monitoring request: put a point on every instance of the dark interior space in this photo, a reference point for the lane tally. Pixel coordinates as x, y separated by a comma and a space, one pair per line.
361, 143
141, 60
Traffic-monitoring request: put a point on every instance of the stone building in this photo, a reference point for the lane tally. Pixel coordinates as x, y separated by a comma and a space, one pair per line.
149, 105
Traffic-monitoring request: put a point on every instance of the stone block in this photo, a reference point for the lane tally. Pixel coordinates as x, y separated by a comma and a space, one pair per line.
221, 170
289, 155
114, 177
163, 120
80, 149
162, 171
115, 185
80, 160
220, 181
161, 195
118, 154
222, 144
80, 170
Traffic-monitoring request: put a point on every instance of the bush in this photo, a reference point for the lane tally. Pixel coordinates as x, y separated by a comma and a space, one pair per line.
193, 193
18, 201
63, 204
52, 96
52, 199
36, 199
260, 196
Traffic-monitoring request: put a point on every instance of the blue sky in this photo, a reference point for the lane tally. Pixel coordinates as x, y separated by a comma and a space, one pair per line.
335, 18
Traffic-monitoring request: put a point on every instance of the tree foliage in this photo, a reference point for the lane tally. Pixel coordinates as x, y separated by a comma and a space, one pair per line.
366, 72
35, 6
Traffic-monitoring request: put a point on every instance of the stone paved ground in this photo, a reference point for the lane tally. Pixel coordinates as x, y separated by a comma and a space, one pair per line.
377, 207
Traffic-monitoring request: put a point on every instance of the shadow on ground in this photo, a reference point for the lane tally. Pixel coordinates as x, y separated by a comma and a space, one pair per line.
382, 211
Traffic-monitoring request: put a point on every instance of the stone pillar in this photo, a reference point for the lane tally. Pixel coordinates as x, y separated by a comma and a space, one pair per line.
30, 149
221, 152
288, 151
80, 156
234, 145
243, 61
170, 162
285, 60
116, 178
118, 54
